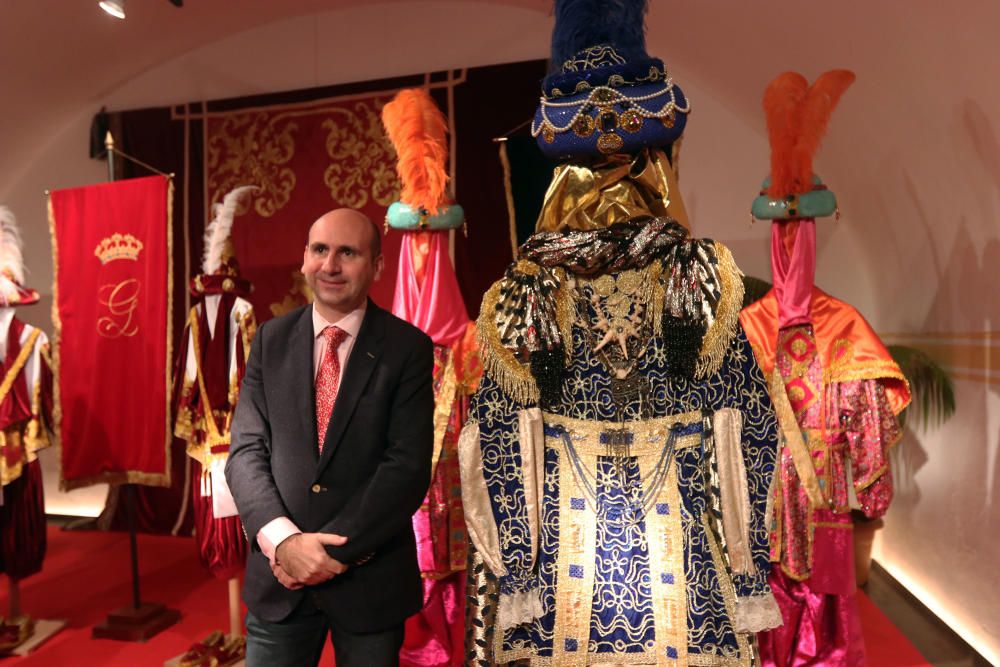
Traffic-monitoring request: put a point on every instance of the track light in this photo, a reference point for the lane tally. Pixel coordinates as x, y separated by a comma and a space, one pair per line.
114, 7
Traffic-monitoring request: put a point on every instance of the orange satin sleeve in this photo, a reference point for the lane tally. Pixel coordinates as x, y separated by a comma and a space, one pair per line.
853, 351
849, 348
760, 323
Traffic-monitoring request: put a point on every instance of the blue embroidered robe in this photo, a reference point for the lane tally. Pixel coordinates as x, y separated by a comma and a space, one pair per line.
623, 557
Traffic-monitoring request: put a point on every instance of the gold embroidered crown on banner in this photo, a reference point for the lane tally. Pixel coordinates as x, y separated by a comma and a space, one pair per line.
118, 246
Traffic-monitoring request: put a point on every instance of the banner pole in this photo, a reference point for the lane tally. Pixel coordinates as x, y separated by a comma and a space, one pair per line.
109, 144
139, 621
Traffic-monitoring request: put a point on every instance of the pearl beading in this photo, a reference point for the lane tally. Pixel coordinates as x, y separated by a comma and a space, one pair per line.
615, 81
670, 106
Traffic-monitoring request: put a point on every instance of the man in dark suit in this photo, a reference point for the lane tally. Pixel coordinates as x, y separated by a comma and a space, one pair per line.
330, 458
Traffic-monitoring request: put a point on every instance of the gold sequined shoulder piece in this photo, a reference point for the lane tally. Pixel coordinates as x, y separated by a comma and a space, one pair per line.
723, 328
499, 360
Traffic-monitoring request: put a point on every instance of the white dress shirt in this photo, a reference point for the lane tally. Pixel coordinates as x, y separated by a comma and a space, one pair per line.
278, 530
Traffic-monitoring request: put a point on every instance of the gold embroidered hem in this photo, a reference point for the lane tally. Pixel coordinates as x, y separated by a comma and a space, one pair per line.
576, 563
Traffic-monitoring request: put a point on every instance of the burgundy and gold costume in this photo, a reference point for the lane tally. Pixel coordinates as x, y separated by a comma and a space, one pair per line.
25, 415
213, 363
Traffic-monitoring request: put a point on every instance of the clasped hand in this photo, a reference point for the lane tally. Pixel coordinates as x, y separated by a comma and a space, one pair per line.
301, 560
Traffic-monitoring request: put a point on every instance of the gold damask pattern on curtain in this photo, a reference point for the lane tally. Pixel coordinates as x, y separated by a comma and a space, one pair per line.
307, 159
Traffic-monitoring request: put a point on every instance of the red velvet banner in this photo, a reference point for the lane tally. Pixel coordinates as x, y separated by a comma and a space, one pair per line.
308, 159
112, 301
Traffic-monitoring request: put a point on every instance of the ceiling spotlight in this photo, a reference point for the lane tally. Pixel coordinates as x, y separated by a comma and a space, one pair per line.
114, 7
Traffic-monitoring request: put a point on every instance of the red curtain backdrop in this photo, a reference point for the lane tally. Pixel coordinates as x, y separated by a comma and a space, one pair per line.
113, 269
264, 139
308, 159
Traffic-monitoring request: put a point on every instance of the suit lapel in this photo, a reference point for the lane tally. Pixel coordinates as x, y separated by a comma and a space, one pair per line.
364, 357
300, 365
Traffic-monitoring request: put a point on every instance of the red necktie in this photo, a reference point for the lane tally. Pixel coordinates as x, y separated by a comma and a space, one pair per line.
328, 381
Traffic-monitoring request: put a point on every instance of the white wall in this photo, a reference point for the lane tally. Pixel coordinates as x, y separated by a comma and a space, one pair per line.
912, 154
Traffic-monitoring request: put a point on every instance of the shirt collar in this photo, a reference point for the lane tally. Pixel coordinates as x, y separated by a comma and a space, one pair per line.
350, 323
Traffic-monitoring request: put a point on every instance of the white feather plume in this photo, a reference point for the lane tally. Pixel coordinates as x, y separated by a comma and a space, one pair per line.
221, 226
11, 259
10, 245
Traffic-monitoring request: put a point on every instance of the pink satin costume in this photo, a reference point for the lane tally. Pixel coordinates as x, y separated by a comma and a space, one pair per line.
844, 392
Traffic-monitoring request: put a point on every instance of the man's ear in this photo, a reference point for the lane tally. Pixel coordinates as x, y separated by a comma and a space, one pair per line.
379, 266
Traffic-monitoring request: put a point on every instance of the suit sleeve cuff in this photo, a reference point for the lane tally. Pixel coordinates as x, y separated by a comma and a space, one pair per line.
274, 533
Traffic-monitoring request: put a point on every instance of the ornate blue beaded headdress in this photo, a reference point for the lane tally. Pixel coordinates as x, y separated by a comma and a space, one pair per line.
606, 94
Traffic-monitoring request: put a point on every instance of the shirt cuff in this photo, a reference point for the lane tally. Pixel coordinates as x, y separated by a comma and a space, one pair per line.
274, 533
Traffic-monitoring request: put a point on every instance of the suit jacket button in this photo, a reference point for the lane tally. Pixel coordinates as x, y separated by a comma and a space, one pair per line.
316, 488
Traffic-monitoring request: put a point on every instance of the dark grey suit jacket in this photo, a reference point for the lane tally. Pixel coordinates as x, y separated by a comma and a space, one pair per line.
371, 478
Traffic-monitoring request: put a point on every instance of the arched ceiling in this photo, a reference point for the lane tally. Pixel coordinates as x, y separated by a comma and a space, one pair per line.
59, 55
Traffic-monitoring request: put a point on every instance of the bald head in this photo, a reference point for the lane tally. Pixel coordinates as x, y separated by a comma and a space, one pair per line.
352, 218
342, 259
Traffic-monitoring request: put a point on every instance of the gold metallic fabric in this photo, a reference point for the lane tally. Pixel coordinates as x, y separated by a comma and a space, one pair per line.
792, 438
585, 197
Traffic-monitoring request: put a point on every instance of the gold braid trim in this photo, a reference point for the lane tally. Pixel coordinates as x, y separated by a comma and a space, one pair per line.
565, 312
185, 418
500, 363
24, 435
723, 329
214, 436
163, 479
36, 435
865, 370
248, 329
19, 362
792, 435
659, 294
728, 591
52, 355
444, 404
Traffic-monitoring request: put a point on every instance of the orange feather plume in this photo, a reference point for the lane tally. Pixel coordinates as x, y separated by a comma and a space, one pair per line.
418, 131
814, 118
797, 118
782, 99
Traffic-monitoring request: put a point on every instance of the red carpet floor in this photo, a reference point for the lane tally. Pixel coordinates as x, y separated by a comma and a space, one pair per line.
86, 575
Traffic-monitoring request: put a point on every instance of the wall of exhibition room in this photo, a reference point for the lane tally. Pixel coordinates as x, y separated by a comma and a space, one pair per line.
913, 154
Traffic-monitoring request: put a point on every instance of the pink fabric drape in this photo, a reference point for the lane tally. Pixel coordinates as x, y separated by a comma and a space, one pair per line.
434, 637
427, 296
427, 293
819, 630
793, 267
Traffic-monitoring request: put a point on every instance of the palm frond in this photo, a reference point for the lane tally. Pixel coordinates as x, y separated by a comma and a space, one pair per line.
932, 390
